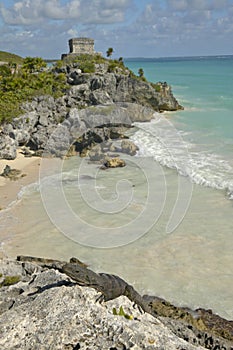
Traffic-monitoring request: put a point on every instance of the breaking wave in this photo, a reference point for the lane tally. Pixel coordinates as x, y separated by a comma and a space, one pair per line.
168, 147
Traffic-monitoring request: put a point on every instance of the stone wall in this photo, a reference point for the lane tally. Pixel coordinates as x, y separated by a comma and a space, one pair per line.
79, 46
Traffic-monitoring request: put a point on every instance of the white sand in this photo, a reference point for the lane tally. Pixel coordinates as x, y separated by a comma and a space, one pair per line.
9, 189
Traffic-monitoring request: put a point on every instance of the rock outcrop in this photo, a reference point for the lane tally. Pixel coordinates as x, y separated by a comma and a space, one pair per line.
98, 102
89, 89
8, 147
43, 309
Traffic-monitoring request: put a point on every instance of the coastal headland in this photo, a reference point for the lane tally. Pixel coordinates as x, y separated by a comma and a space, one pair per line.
42, 307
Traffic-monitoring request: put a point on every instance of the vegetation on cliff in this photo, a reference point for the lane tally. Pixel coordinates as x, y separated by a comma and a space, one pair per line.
19, 83
10, 57
22, 80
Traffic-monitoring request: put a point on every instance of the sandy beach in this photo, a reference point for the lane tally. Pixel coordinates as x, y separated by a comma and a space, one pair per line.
29, 167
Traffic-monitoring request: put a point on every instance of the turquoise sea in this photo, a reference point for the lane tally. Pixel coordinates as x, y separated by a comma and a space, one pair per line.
204, 86
164, 222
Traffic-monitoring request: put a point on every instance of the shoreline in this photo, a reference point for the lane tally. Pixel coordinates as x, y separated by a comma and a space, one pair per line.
9, 189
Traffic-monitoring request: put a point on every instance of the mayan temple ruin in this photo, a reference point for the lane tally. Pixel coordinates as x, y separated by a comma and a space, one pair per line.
79, 46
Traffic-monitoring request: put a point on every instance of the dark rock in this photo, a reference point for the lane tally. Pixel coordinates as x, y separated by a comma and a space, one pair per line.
6, 171
114, 163
9, 173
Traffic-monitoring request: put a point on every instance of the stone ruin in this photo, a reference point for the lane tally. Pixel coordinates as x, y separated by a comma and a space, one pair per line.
79, 46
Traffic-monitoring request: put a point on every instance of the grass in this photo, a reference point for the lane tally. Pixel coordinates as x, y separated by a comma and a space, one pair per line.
10, 280
10, 57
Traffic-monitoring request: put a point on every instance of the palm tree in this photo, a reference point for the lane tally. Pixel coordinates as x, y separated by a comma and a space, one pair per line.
141, 72
109, 51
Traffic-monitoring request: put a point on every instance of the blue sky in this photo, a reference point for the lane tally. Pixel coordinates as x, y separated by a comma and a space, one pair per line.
148, 28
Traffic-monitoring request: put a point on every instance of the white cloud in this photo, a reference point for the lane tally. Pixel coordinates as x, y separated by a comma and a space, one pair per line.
198, 5
162, 27
72, 33
86, 11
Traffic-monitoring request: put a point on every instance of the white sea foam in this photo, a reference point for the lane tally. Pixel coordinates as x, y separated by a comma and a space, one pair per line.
28, 190
167, 146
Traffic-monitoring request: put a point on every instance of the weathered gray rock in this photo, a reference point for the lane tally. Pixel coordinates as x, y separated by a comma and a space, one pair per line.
26, 122
45, 311
137, 112
40, 137
129, 147
8, 147
107, 100
59, 142
96, 154
75, 123
111, 87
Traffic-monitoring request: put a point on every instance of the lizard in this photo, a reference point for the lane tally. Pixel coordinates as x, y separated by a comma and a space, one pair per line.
110, 286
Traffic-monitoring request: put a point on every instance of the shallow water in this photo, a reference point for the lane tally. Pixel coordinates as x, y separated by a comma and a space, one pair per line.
190, 266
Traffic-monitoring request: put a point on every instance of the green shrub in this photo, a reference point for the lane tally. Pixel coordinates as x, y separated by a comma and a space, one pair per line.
9, 280
5, 71
87, 67
24, 85
113, 65
157, 87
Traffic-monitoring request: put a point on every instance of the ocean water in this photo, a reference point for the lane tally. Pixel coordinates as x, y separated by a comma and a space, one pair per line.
165, 221
204, 86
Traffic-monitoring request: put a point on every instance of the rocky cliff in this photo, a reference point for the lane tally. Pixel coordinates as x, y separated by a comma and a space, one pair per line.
93, 101
44, 309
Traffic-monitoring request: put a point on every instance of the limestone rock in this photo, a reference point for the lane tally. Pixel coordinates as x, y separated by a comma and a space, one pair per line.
8, 147
129, 147
102, 102
114, 163
45, 311
96, 153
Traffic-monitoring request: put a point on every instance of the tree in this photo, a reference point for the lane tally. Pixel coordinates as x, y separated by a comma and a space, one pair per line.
141, 72
33, 64
109, 52
5, 71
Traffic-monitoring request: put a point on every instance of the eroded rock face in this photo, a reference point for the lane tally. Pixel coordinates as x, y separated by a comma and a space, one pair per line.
93, 101
8, 147
112, 88
45, 311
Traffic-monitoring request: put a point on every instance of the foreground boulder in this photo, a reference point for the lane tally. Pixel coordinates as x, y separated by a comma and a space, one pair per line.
42, 308
46, 311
